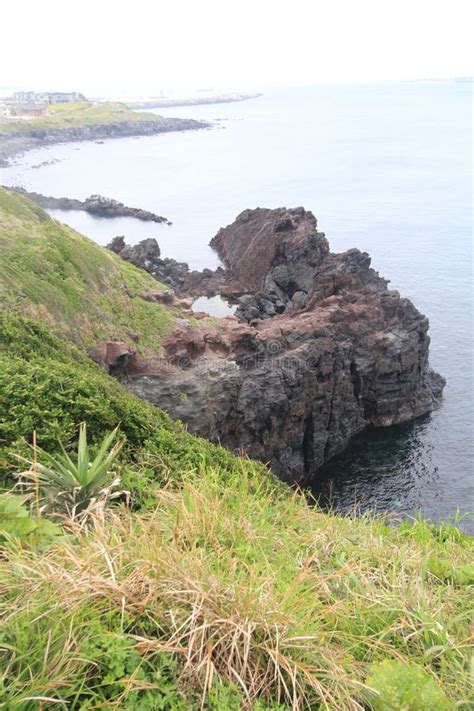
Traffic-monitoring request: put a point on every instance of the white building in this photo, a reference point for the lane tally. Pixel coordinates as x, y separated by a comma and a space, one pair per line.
25, 98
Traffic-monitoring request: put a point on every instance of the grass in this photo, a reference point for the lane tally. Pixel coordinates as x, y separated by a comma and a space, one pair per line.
68, 116
56, 276
215, 587
48, 385
239, 585
218, 586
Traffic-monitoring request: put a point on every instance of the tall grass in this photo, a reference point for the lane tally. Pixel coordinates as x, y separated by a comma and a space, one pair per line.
242, 586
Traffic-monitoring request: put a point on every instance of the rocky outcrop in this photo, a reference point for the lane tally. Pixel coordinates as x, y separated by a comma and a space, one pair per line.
13, 143
291, 387
146, 255
95, 205
272, 271
177, 275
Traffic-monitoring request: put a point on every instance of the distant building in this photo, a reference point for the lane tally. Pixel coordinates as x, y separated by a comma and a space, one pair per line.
32, 110
24, 97
5, 109
46, 98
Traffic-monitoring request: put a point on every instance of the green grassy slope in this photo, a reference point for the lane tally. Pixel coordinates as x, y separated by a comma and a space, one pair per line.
49, 385
216, 588
218, 583
51, 273
77, 115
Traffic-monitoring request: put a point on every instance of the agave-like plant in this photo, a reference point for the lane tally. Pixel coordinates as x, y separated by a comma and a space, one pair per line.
74, 488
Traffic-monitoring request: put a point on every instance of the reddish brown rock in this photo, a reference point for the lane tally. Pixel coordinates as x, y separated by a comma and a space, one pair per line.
110, 353
271, 248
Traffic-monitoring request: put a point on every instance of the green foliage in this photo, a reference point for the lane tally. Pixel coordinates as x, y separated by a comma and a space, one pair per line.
40, 655
447, 572
232, 574
75, 488
16, 521
56, 276
405, 687
117, 662
426, 532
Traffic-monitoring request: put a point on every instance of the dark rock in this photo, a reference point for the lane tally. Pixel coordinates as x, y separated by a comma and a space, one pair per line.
95, 204
146, 255
281, 276
299, 300
320, 348
164, 297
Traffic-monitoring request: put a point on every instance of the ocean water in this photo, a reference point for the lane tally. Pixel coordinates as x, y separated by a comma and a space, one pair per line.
384, 167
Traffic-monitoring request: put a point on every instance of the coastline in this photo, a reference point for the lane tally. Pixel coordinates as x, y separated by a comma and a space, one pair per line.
378, 470
154, 103
12, 144
97, 205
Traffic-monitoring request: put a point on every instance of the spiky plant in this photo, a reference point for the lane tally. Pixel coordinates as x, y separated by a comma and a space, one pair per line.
74, 487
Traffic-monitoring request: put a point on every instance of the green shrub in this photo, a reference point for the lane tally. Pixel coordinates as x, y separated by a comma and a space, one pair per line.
405, 687
447, 572
17, 522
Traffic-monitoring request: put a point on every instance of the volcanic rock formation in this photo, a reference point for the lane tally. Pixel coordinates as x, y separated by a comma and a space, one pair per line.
322, 348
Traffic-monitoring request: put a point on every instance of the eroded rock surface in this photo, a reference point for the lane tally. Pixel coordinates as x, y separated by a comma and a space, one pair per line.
322, 348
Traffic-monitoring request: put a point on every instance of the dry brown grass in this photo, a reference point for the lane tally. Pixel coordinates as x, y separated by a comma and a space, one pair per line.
253, 589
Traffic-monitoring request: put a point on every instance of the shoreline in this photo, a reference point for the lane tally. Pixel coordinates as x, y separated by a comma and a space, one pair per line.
154, 103
13, 144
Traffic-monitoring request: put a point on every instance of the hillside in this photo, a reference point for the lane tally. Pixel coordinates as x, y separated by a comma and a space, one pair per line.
70, 115
56, 276
215, 586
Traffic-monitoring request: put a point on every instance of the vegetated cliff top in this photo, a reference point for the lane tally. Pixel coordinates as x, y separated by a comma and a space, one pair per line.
76, 115
60, 278
217, 583
216, 573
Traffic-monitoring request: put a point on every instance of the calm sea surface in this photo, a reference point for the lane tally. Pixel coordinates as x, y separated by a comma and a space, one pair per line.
386, 168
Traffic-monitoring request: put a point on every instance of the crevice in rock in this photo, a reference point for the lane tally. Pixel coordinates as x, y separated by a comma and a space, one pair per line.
308, 445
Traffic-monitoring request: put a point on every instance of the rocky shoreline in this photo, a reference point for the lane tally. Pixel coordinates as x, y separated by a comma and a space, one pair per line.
95, 205
319, 350
12, 144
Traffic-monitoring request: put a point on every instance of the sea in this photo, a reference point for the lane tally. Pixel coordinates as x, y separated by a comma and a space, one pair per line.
384, 167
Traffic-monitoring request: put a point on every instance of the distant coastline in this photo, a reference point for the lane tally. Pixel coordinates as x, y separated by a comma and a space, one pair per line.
86, 123
156, 103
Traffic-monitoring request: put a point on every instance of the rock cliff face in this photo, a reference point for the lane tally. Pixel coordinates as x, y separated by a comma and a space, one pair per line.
321, 350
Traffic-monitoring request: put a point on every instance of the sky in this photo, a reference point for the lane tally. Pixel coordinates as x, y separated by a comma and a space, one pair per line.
141, 47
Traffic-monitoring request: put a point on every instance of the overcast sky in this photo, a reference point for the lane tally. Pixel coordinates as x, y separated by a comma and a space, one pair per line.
143, 46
